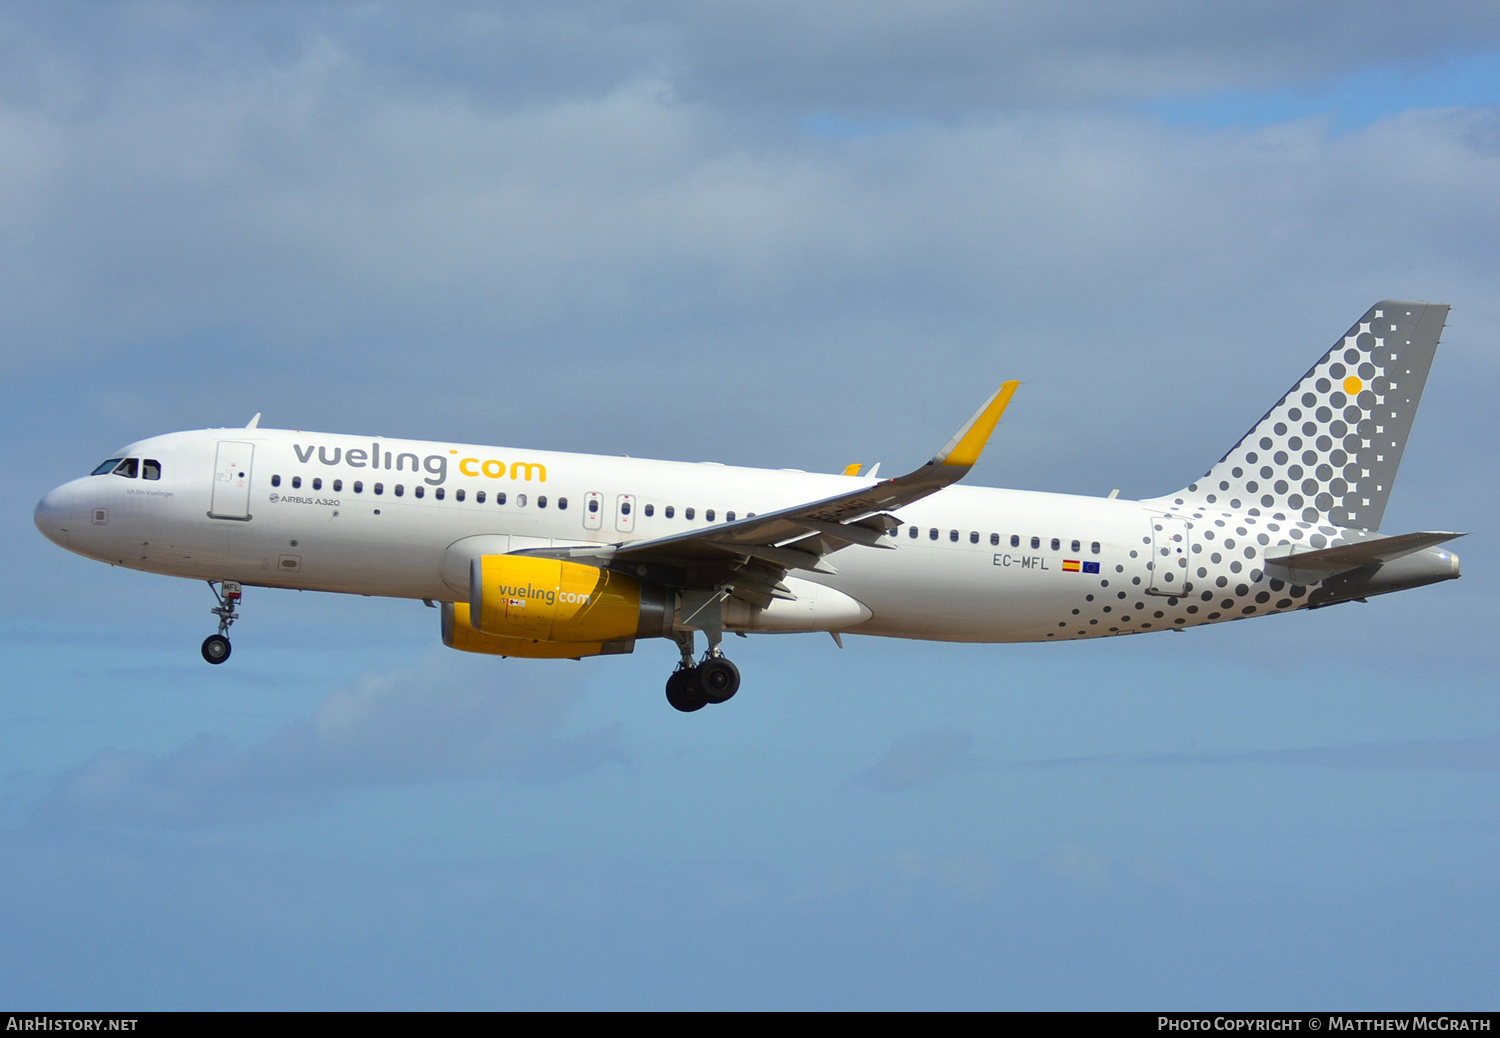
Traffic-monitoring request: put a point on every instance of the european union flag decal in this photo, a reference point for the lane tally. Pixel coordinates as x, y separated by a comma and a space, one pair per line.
1091, 567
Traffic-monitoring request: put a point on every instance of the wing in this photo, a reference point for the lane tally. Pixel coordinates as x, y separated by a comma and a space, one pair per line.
750, 557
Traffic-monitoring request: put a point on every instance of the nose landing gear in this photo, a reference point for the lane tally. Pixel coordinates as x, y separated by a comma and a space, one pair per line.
216, 647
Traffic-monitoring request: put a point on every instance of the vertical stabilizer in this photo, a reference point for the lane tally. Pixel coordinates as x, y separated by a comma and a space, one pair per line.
1328, 451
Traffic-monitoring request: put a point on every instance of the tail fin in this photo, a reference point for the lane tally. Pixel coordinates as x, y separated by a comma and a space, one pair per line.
1329, 449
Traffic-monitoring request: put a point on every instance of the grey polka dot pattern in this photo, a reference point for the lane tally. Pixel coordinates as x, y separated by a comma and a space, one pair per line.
1327, 453
1225, 576
1311, 474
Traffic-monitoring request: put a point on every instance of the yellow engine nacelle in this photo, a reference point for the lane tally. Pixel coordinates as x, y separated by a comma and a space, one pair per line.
549, 600
459, 633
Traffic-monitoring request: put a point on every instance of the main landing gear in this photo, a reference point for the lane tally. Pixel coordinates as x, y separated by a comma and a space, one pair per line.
692, 686
216, 647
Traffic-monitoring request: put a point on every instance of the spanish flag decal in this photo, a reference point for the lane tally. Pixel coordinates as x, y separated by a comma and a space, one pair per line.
1071, 566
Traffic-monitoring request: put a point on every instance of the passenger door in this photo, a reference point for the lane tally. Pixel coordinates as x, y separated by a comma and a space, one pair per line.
231, 496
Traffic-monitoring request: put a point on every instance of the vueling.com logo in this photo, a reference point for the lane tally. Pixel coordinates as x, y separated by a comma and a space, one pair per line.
517, 595
435, 465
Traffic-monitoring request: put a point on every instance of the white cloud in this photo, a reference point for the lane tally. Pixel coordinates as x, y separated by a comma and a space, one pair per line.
403, 728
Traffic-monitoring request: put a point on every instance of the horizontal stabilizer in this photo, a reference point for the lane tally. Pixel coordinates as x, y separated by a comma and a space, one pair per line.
1318, 563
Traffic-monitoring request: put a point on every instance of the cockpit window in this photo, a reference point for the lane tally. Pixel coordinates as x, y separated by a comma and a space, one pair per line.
105, 467
151, 469
128, 468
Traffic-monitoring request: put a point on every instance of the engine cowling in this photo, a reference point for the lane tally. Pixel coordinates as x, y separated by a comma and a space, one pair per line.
459, 633
551, 600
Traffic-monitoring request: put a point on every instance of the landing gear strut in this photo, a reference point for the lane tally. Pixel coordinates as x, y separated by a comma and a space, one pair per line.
692, 686
216, 647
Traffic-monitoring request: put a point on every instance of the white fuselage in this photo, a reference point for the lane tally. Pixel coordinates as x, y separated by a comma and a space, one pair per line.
376, 516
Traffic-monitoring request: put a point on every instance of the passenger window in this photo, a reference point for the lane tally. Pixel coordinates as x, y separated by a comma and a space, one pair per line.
709, 515
439, 493
687, 513
624, 507
458, 495
973, 536
670, 511
650, 511
1056, 544
416, 491
953, 536
105, 467
296, 482
128, 468
541, 500
994, 540
729, 517
593, 506
500, 498
400, 489
562, 504
520, 500
479, 497
932, 534
359, 486
1094, 547
1036, 542
914, 531
379, 488
317, 484
276, 481
338, 485
151, 469
1077, 545
1015, 540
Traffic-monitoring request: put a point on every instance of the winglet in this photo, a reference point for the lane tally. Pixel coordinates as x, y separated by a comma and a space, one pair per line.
969, 442
253, 423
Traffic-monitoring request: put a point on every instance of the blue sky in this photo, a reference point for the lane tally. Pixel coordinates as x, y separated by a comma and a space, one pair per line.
762, 234
1350, 100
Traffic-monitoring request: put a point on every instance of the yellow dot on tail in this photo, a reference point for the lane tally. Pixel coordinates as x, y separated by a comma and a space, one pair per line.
1352, 385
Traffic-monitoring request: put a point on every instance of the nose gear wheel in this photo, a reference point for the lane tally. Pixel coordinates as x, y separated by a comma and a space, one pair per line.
216, 647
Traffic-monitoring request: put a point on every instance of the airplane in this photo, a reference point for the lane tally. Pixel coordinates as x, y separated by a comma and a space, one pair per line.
542, 554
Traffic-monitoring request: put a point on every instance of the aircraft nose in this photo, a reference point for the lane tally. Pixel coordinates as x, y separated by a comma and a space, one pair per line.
54, 515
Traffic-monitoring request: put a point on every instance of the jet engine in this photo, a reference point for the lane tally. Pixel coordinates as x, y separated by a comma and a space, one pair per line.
459, 633
535, 599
